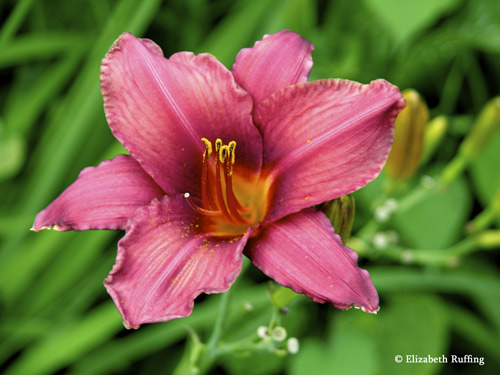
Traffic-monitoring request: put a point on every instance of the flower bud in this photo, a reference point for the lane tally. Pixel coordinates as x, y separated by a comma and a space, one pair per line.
482, 130
278, 333
434, 134
12, 153
292, 345
263, 332
341, 212
282, 296
489, 238
406, 151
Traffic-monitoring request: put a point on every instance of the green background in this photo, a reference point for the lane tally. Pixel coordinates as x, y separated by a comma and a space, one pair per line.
55, 316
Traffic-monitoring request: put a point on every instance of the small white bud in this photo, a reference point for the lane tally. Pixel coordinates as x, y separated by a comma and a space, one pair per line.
393, 237
382, 214
278, 334
292, 345
428, 182
407, 257
391, 204
247, 306
380, 240
262, 332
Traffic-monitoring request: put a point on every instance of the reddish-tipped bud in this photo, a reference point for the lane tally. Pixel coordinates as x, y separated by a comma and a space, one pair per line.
341, 212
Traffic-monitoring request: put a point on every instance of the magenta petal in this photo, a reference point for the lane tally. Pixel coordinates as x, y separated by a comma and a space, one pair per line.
102, 197
159, 109
302, 252
163, 263
278, 60
325, 139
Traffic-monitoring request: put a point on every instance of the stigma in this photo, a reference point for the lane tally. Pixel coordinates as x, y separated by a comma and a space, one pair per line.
219, 203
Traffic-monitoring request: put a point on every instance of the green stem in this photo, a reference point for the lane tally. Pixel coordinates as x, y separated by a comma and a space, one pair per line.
210, 354
211, 351
246, 345
435, 257
453, 170
15, 20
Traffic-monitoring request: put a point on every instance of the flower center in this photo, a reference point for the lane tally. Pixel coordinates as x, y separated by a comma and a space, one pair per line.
229, 202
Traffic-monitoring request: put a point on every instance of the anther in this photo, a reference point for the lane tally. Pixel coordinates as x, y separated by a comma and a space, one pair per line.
218, 144
223, 153
232, 148
221, 201
208, 146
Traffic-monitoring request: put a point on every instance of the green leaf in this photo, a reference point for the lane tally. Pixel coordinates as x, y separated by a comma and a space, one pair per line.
411, 325
116, 355
475, 330
477, 25
485, 171
437, 220
41, 46
68, 343
234, 32
12, 154
311, 359
483, 288
296, 15
28, 99
348, 345
361, 343
404, 19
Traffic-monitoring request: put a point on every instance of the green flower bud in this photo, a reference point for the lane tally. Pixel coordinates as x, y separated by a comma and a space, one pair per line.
282, 296
341, 212
489, 238
483, 129
434, 134
406, 151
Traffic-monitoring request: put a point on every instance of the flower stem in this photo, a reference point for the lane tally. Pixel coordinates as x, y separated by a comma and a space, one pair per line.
210, 352
453, 170
485, 240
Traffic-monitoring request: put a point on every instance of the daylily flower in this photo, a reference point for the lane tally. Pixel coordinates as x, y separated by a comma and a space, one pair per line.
224, 163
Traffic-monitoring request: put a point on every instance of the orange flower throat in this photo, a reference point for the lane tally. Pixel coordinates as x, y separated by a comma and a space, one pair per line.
232, 199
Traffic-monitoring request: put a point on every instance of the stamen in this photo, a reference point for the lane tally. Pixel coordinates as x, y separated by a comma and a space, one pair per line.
220, 196
206, 197
225, 203
208, 148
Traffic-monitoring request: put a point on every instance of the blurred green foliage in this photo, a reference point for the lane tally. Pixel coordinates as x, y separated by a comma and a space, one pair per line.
439, 287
